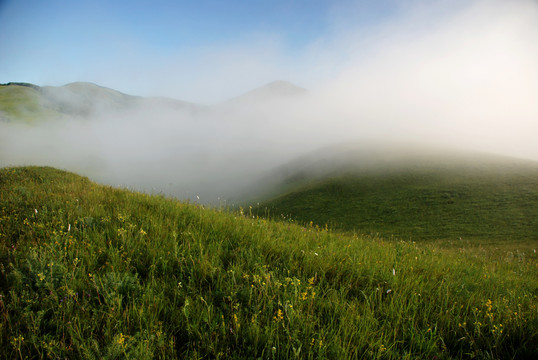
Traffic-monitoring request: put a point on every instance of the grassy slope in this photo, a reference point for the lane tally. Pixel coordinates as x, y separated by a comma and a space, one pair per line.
495, 200
22, 103
31, 103
89, 271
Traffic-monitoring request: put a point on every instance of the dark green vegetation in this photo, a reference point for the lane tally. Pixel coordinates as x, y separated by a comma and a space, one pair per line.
89, 271
448, 197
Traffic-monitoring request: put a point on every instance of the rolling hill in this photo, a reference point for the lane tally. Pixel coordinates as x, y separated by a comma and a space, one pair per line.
88, 271
28, 102
23, 102
31, 103
410, 192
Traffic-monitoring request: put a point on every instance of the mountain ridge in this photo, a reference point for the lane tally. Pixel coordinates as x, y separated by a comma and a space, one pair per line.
30, 102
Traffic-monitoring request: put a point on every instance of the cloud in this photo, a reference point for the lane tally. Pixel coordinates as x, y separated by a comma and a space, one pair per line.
471, 78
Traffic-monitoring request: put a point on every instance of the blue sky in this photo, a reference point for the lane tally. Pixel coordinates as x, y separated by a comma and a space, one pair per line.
124, 43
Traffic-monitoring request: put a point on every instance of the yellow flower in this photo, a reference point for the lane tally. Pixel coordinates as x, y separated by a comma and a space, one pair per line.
121, 339
279, 316
236, 321
41, 276
489, 305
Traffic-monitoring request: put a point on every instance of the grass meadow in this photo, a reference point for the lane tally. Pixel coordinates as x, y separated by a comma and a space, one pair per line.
479, 202
22, 104
92, 272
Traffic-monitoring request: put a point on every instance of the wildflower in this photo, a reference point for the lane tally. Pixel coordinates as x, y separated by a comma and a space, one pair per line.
142, 232
16, 342
35, 211
121, 339
236, 321
41, 276
279, 316
304, 296
489, 305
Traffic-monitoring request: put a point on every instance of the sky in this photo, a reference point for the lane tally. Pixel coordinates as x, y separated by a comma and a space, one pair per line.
201, 51
455, 73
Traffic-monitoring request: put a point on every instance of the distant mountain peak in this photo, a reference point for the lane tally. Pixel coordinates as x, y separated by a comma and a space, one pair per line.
275, 90
279, 88
281, 85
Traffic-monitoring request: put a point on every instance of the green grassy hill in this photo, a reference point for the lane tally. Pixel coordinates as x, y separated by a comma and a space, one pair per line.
28, 103
417, 197
23, 103
88, 271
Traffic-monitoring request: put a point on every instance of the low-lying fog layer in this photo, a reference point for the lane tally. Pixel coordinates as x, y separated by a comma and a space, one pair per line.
467, 79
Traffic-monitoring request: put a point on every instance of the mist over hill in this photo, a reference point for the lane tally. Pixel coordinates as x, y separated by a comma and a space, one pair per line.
153, 144
33, 103
235, 150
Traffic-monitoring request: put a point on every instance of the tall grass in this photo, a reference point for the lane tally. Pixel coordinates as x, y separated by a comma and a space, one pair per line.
89, 271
